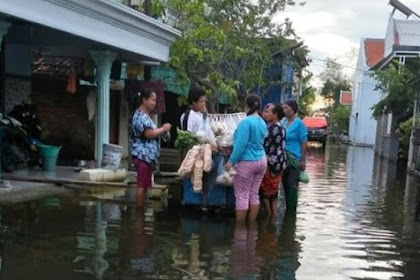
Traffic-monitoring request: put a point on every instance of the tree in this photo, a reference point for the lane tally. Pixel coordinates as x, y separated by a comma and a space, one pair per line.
340, 119
227, 44
308, 96
394, 82
336, 81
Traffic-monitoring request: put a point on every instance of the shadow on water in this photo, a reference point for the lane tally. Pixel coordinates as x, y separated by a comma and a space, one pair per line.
356, 219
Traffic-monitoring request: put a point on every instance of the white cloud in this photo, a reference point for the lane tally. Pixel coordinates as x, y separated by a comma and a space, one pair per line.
332, 28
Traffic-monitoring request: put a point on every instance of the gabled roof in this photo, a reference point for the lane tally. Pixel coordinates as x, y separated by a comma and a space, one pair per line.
407, 32
402, 40
401, 33
374, 51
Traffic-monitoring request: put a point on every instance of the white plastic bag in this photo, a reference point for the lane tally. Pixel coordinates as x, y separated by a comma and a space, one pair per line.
204, 133
226, 178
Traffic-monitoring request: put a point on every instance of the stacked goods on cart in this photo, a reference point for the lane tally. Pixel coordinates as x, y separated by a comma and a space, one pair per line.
215, 128
197, 161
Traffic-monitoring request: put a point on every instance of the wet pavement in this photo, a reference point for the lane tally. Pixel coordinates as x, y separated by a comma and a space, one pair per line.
356, 219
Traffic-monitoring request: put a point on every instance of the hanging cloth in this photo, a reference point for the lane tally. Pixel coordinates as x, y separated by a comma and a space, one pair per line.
158, 88
116, 70
71, 83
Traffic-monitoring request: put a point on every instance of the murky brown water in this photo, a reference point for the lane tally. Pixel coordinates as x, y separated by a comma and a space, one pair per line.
354, 221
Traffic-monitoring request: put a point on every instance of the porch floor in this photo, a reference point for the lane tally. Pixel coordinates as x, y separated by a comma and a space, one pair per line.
29, 191
61, 176
44, 184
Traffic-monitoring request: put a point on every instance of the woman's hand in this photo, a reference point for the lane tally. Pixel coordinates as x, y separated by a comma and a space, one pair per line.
228, 166
302, 164
166, 127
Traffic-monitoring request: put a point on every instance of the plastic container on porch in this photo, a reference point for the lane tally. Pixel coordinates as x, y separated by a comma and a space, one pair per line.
111, 156
49, 155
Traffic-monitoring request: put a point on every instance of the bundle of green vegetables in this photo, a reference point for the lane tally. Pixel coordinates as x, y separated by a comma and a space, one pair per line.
185, 140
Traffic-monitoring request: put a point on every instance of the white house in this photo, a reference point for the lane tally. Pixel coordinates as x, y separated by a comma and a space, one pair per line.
402, 44
362, 124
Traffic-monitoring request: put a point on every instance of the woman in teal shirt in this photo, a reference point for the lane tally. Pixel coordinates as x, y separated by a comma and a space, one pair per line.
249, 161
296, 146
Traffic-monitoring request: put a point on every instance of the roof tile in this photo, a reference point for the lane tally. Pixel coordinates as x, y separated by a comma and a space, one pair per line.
374, 49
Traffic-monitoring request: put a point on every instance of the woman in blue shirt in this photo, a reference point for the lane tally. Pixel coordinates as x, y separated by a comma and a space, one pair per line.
248, 159
144, 143
296, 142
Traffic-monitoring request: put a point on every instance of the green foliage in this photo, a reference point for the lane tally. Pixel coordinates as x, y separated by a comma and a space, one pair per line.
394, 82
404, 133
334, 80
182, 100
340, 119
308, 96
185, 140
227, 44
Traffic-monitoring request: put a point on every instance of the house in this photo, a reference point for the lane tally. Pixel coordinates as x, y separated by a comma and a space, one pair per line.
402, 44
362, 122
283, 77
100, 30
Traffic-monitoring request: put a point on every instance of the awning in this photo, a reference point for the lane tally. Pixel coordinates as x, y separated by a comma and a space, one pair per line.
168, 77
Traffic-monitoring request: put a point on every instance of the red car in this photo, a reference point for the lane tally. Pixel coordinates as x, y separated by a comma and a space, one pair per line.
317, 129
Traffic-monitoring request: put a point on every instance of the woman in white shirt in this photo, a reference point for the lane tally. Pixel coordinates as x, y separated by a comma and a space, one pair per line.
192, 119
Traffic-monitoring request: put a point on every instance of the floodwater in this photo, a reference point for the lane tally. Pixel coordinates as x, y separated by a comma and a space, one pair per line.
356, 219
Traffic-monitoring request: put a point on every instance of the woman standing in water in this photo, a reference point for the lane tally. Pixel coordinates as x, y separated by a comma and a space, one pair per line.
274, 145
249, 161
296, 145
144, 143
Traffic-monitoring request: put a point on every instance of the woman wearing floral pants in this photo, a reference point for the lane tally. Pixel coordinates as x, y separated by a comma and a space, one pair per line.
248, 160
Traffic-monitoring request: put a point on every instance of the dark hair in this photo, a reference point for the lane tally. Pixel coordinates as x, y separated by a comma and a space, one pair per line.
195, 94
145, 93
278, 110
253, 102
292, 104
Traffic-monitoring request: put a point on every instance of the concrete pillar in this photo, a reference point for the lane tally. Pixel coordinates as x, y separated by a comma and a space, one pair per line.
103, 61
4, 26
123, 133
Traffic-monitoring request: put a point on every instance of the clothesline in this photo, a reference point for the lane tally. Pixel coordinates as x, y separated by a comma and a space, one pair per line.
242, 115
230, 121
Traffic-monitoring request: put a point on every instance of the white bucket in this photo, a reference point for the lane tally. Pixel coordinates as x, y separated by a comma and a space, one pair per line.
111, 157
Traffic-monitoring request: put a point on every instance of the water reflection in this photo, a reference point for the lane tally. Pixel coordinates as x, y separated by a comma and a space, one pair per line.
288, 250
411, 205
204, 249
243, 259
356, 219
92, 243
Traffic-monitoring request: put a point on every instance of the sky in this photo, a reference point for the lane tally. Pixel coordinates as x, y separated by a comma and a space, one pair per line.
334, 28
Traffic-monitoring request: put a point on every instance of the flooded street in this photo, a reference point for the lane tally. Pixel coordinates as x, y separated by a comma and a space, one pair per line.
355, 220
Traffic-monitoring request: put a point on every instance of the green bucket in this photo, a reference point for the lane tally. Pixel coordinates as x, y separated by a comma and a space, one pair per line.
49, 155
